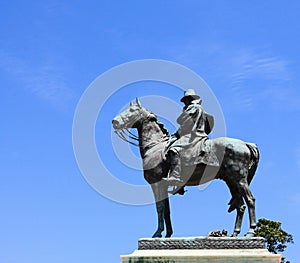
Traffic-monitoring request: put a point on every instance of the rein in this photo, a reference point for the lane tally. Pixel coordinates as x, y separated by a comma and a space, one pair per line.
122, 134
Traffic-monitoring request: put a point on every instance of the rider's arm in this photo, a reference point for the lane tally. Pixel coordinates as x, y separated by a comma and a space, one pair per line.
187, 113
197, 118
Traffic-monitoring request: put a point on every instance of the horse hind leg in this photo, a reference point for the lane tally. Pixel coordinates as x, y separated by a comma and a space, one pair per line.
250, 201
248, 196
239, 219
236, 203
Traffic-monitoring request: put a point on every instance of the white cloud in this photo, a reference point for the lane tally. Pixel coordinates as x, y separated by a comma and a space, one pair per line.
249, 64
46, 80
257, 76
249, 76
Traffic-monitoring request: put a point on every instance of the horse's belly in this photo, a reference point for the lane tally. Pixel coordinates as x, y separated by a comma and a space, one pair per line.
199, 174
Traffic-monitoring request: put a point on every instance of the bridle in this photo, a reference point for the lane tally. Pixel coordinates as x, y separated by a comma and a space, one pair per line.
125, 133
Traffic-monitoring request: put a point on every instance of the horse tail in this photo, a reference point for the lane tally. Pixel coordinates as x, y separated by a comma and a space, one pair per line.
254, 159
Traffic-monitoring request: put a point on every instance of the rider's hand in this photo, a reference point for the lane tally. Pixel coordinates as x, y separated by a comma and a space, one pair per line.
174, 137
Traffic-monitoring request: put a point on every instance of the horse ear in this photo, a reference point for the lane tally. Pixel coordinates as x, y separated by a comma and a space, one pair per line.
130, 103
138, 102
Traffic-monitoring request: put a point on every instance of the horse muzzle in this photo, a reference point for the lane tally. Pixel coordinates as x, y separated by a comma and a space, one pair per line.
117, 124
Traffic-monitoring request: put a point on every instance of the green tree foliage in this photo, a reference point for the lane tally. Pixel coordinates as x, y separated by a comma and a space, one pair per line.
276, 238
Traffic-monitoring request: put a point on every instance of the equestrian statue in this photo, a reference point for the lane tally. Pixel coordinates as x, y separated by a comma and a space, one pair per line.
189, 158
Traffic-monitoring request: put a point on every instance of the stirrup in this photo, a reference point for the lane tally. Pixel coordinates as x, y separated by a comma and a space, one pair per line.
177, 190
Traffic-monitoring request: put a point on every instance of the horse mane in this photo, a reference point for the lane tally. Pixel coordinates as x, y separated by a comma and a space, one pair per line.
160, 124
163, 128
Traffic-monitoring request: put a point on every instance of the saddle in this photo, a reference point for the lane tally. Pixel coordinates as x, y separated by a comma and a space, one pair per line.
157, 154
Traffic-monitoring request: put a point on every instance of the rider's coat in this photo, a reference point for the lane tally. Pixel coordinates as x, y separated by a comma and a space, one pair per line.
192, 141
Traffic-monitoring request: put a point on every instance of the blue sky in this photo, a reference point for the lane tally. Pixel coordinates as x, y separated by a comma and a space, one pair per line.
51, 51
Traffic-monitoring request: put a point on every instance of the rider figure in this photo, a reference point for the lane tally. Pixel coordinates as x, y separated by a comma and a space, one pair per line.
191, 133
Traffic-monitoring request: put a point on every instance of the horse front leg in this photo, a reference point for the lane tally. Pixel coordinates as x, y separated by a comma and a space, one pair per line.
160, 218
167, 217
160, 196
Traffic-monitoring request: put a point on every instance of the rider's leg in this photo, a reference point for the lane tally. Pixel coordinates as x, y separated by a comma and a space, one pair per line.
175, 169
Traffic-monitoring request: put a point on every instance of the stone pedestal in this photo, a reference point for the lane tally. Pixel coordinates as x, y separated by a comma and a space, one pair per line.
201, 249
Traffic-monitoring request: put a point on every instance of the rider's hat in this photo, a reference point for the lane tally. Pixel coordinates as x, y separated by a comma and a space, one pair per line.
189, 93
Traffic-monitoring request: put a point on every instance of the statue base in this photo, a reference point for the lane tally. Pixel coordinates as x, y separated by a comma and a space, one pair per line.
201, 249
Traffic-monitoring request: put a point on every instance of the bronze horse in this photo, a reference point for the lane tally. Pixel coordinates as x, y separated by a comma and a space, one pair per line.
238, 163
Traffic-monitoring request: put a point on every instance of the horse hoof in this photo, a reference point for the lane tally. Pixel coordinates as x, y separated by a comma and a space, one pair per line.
157, 235
168, 235
250, 233
235, 234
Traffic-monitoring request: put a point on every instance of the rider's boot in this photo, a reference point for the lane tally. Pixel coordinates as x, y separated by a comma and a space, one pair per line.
175, 170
